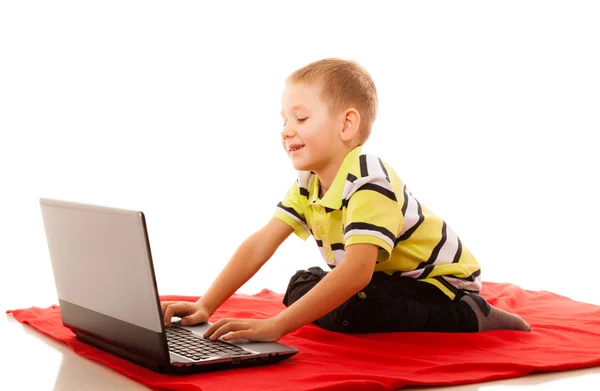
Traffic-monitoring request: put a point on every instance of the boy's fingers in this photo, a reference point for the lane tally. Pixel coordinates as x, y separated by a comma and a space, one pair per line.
194, 318
165, 304
212, 328
241, 334
172, 310
215, 326
231, 326
167, 314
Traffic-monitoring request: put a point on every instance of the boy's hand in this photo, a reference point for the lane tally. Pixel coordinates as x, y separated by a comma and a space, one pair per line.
190, 313
253, 329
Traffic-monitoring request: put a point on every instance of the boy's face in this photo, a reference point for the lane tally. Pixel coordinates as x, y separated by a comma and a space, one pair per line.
310, 133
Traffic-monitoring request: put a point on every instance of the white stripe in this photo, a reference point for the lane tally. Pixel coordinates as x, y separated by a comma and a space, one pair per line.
304, 178
369, 232
411, 216
413, 273
302, 223
351, 187
462, 284
338, 255
374, 167
449, 248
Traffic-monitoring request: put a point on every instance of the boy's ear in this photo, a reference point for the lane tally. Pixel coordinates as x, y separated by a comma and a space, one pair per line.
351, 123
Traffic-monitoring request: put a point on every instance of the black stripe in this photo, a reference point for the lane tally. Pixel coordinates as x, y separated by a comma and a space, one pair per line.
370, 227
445, 283
319, 243
437, 248
387, 177
470, 278
338, 246
407, 234
304, 192
345, 203
458, 252
363, 166
427, 271
405, 205
291, 210
381, 190
434, 254
351, 178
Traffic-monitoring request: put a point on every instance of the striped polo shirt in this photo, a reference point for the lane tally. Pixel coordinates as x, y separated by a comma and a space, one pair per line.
368, 203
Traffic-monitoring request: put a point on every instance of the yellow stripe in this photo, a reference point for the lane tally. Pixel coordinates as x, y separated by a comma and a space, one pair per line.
446, 291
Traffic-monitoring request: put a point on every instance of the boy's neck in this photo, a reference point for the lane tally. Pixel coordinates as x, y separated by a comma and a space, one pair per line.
328, 173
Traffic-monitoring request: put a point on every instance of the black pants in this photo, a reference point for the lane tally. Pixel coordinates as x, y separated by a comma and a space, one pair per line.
388, 303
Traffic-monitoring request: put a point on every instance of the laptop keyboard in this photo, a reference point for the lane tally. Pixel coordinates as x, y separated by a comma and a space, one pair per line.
193, 347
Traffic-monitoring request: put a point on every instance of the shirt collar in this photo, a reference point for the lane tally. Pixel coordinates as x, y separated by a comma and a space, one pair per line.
333, 197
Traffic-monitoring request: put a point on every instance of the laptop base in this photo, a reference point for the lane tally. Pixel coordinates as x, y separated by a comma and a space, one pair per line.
179, 368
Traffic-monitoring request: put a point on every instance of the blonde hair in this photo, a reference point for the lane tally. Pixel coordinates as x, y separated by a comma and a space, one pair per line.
344, 84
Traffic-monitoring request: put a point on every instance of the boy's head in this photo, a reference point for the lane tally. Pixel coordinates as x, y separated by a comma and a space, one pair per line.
328, 108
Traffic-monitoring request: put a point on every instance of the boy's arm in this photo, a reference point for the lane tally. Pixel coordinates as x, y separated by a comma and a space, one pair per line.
250, 256
349, 277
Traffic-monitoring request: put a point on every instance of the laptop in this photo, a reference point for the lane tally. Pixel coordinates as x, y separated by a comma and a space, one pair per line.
108, 297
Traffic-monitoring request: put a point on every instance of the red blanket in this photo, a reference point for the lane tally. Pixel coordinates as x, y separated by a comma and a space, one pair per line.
565, 335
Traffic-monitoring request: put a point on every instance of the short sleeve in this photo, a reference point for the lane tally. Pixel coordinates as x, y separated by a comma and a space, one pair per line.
374, 216
292, 211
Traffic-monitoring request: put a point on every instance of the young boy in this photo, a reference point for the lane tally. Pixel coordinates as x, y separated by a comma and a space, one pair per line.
395, 266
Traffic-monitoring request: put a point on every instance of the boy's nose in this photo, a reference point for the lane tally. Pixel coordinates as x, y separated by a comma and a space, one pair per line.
287, 132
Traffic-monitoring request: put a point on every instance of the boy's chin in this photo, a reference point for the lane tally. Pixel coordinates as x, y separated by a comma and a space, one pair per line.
300, 166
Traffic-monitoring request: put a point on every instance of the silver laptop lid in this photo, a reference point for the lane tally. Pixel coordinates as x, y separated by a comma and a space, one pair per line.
101, 261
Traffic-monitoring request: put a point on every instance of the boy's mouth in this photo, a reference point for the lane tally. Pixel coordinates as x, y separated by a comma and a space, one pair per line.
295, 148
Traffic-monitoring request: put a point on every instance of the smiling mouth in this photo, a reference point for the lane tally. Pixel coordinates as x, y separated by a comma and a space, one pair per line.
296, 148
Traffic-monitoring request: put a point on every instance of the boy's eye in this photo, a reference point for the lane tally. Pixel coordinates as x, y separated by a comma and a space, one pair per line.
299, 120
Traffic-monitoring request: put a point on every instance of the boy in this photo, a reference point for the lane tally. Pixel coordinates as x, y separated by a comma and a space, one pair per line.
395, 266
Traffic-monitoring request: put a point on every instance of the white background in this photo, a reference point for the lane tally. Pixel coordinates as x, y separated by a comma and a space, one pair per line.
489, 111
